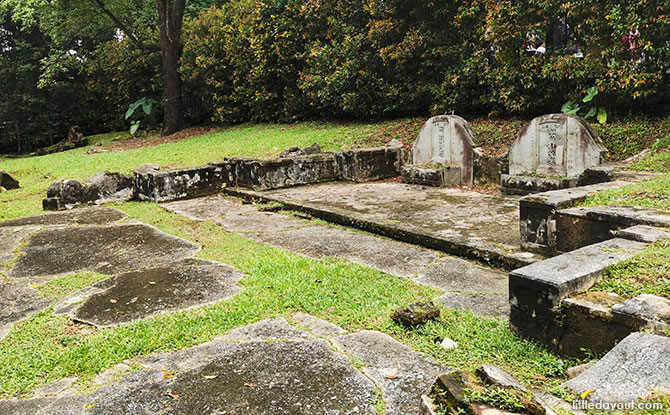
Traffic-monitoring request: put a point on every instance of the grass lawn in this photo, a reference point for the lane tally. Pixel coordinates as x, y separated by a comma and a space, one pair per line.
48, 347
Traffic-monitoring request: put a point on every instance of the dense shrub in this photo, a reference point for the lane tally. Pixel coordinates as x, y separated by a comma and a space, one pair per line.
288, 59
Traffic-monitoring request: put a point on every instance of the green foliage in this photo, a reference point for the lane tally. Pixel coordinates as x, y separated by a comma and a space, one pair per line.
573, 108
289, 59
497, 397
146, 104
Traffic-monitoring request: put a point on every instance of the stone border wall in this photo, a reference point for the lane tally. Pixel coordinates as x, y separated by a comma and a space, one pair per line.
151, 184
538, 215
549, 302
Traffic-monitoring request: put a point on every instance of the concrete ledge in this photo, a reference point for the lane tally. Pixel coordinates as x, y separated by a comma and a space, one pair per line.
537, 290
524, 185
578, 227
437, 177
538, 214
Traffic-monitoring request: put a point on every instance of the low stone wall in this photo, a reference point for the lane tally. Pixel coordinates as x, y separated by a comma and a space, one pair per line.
538, 214
162, 186
149, 183
284, 172
369, 164
548, 304
440, 177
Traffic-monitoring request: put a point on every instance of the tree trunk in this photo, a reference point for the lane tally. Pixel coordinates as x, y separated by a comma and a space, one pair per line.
170, 16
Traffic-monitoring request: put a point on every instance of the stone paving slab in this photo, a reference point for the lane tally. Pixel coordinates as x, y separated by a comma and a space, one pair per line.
469, 224
255, 221
96, 215
18, 300
390, 256
139, 294
482, 291
206, 208
269, 367
10, 238
106, 249
401, 373
638, 366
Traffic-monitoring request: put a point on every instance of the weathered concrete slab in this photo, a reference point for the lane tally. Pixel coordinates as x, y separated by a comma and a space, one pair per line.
390, 256
317, 326
402, 374
470, 287
18, 300
455, 274
206, 208
644, 233
465, 223
140, 294
255, 221
105, 249
10, 238
479, 303
83, 216
632, 370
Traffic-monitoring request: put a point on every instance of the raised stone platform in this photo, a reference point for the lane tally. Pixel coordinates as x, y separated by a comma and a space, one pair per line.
464, 223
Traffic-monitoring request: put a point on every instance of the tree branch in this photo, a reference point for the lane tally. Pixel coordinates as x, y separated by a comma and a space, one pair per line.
125, 29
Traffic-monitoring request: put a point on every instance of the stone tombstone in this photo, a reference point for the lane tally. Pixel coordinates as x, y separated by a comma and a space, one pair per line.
555, 145
448, 140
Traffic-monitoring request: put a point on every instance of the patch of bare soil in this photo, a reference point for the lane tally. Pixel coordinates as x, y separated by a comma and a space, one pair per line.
125, 144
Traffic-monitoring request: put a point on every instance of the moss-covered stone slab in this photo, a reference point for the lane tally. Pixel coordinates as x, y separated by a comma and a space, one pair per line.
107, 249
401, 373
209, 207
97, 215
393, 257
18, 300
479, 226
139, 294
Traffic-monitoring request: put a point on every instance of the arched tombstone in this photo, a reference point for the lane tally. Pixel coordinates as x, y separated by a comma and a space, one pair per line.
555, 145
447, 140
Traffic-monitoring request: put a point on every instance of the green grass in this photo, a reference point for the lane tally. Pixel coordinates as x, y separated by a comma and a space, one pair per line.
654, 193
63, 286
48, 347
36, 173
647, 273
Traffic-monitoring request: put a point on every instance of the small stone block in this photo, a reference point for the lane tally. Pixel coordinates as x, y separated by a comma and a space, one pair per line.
448, 344
644, 233
415, 314
492, 375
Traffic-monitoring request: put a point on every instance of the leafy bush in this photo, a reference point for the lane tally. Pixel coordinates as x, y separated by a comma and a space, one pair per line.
287, 59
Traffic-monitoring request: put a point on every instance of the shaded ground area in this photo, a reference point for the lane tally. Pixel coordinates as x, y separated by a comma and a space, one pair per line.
269, 367
140, 294
468, 286
106, 249
465, 223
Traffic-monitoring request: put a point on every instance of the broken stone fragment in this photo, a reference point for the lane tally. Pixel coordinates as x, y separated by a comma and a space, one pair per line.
103, 187
297, 151
449, 391
494, 376
7, 181
448, 344
415, 314
575, 371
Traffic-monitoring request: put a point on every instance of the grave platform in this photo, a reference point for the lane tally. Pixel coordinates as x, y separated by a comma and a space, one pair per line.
473, 225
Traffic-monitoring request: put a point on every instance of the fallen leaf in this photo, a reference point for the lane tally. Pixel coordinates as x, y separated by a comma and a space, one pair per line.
172, 395
542, 378
392, 377
168, 376
249, 384
210, 376
113, 301
152, 282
